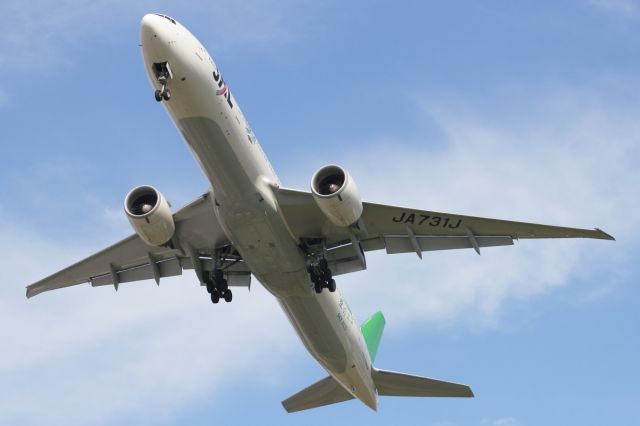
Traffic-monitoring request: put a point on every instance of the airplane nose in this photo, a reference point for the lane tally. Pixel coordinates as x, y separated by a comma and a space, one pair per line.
158, 37
157, 27
149, 27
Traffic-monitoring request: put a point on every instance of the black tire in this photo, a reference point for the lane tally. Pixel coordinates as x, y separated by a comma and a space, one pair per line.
332, 285
166, 95
324, 266
158, 95
317, 286
223, 285
215, 297
228, 296
210, 286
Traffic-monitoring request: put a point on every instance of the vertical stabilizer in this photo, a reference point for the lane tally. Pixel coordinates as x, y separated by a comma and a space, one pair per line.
372, 331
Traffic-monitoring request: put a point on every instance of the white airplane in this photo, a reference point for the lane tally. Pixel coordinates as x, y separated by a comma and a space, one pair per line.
293, 242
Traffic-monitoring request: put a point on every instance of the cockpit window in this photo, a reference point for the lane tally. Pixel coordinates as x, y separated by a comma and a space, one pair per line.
173, 21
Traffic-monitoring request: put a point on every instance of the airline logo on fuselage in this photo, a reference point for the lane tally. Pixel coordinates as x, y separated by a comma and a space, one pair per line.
223, 89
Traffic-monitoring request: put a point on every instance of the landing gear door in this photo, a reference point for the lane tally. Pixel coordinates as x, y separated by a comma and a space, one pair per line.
162, 71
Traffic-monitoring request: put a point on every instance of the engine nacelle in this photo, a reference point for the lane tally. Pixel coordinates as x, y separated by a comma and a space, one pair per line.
150, 215
337, 195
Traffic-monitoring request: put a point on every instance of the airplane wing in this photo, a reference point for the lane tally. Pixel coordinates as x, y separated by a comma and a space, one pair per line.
407, 230
197, 235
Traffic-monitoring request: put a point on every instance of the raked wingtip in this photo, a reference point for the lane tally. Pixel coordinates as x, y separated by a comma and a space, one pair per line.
605, 236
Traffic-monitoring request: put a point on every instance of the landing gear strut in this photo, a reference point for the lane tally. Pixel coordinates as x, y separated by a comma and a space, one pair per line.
217, 286
163, 74
321, 276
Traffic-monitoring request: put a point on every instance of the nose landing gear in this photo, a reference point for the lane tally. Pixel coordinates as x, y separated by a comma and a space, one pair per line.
163, 93
163, 74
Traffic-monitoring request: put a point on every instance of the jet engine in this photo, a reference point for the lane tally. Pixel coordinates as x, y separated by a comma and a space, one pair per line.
337, 195
150, 215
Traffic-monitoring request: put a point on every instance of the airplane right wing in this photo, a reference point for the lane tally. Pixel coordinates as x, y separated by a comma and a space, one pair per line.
407, 230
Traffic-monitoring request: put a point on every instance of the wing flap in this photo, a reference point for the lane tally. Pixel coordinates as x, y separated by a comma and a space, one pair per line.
166, 268
402, 243
237, 276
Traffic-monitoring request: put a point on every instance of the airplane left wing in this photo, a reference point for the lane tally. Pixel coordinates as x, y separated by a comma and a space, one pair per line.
197, 236
407, 230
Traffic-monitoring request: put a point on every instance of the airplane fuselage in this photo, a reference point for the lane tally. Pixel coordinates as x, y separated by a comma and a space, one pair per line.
242, 188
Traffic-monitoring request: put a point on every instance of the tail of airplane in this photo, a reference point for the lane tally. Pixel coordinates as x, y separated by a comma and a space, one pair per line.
388, 383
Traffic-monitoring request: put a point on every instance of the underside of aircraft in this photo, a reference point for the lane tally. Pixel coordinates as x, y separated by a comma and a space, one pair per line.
295, 243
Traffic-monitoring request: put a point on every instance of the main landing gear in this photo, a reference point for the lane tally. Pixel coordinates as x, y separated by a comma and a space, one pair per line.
321, 276
217, 286
163, 74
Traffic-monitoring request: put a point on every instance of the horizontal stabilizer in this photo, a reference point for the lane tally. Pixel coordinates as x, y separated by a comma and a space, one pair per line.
326, 391
390, 383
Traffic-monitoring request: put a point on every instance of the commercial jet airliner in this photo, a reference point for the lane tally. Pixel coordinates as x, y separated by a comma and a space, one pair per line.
293, 242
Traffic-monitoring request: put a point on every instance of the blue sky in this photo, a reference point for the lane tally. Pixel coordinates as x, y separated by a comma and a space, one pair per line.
504, 109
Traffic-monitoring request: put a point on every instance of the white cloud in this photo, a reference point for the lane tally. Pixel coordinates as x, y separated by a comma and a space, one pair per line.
504, 421
39, 31
260, 22
627, 8
42, 33
574, 163
91, 355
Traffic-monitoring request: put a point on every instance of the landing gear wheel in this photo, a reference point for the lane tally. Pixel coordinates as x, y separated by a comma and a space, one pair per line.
158, 95
215, 297
317, 286
210, 286
324, 266
222, 286
332, 285
166, 95
228, 296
